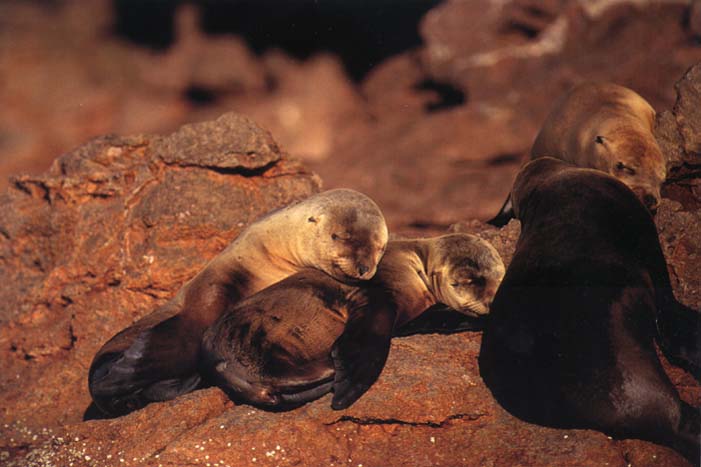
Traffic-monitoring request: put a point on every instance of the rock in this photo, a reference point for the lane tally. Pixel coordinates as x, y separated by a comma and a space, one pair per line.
432, 171
111, 231
115, 227
688, 113
310, 105
677, 132
537, 50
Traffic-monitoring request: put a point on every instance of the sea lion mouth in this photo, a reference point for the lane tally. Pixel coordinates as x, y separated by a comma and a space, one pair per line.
474, 308
350, 272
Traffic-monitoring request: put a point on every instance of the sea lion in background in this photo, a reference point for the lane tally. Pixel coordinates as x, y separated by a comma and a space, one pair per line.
300, 338
605, 127
569, 341
339, 232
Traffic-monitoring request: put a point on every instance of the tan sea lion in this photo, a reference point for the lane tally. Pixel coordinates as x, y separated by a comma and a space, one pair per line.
569, 341
339, 232
605, 127
308, 334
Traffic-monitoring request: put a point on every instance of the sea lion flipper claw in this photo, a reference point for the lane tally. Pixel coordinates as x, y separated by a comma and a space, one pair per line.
360, 354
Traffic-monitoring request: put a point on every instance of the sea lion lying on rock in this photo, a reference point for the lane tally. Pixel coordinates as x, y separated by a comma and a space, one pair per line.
570, 338
605, 127
300, 338
339, 232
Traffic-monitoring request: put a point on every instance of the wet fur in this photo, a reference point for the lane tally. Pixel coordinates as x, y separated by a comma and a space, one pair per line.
576, 316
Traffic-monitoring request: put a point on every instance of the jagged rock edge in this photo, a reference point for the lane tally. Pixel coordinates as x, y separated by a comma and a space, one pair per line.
396, 421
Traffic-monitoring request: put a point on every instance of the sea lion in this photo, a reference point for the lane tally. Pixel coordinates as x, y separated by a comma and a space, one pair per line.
605, 127
308, 334
569, 339
339, 232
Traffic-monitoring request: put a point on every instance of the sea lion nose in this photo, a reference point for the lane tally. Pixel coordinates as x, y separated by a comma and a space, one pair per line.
362, 269
651, 202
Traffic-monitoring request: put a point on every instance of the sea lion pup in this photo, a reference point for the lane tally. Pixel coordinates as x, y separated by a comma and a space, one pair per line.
605, 127
339, 232
569, 340
308, 334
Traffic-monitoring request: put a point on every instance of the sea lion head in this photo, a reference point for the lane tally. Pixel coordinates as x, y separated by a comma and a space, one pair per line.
631, 154
351, 235
465, 272
531, 179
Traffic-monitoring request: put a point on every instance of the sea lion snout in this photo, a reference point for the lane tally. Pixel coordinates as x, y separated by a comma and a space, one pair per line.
362, 270
651, 202
648, 198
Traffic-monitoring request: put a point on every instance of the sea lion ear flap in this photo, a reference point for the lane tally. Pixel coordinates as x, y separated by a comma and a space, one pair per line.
360, 353
316, 218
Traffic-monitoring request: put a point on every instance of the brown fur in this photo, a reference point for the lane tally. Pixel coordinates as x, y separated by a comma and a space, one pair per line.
298, 339
340, 232
606, 127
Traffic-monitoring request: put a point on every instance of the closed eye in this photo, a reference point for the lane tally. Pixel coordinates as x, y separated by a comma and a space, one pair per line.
475, 281
621, 167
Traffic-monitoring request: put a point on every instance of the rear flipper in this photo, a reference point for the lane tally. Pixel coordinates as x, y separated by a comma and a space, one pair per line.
679, 331
360, 353
245, 386
686, 441
295, 399
506, 213
139, 366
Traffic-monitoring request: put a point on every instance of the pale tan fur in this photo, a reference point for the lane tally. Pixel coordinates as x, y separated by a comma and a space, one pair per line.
606, 127
459, 270
298, 237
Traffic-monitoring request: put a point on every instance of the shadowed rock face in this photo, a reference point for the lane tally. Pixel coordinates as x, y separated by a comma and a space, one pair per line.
114, 229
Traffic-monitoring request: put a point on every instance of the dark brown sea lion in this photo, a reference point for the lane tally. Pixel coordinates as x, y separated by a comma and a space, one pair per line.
605, 127
300, 338
570, 338
340, 232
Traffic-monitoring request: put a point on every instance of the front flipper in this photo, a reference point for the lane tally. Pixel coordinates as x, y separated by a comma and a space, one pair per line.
297, 398
360, 353
139, 366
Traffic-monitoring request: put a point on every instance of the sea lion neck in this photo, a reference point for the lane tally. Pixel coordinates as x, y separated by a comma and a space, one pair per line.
403, 273
278, 244
425, 267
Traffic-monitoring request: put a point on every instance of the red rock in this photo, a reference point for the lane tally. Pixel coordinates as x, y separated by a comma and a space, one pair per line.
537, 50
110, 232
116, 226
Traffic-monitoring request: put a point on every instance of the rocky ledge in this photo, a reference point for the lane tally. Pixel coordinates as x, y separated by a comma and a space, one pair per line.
116, 226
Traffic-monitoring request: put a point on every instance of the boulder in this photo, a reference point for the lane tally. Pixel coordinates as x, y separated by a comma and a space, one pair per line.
110, 232
537, 50
114, 229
